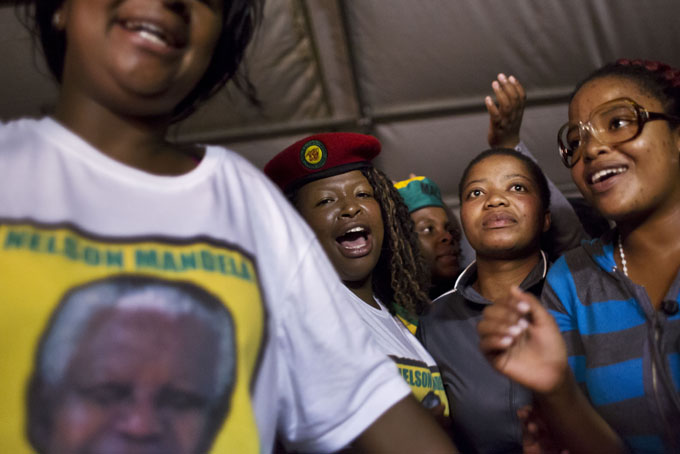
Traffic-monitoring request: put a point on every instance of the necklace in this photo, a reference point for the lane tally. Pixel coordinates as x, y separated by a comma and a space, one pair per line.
623, 257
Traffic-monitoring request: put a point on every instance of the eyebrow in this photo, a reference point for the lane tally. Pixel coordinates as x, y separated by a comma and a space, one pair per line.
506, 177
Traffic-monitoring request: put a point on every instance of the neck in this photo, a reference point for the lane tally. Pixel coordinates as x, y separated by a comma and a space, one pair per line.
364, 290
136, 142
659, 227
652, 251
495, 277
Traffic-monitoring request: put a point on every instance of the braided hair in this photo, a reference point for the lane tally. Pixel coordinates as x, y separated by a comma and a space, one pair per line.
656, 78
400, 276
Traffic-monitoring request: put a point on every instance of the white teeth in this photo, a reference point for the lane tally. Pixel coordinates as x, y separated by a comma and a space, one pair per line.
148, 31
602, 174
151, 37
356, 230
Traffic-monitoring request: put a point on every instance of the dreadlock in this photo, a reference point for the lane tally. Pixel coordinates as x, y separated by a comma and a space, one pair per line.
400, 276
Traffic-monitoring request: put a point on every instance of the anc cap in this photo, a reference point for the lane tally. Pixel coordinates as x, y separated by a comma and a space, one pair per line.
419, 192
321, 156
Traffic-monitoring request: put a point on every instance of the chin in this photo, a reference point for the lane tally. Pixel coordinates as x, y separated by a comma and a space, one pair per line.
353, 272
446, 274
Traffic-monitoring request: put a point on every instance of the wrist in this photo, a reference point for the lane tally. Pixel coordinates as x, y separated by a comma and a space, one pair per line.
564, 391
507, 142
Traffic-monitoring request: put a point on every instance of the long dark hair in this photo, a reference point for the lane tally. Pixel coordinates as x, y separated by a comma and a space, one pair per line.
400, 275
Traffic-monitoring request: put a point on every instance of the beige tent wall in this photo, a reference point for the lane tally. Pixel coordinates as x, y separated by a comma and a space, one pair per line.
412, 72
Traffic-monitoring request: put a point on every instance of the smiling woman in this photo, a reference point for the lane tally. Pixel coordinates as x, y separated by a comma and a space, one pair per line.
101, 178
366, 231
615, 299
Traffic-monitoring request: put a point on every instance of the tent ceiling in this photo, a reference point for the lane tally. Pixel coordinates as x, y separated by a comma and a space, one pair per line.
413, 73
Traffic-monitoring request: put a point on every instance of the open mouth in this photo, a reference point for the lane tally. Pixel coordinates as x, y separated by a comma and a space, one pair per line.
152, 32
355, 241
605, 174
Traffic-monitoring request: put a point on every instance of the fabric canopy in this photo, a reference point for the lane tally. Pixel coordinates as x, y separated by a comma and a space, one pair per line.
412, 73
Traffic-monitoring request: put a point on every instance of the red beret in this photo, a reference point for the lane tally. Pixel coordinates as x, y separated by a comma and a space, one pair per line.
321, 156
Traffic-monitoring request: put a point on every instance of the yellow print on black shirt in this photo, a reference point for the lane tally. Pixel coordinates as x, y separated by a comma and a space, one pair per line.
112, 344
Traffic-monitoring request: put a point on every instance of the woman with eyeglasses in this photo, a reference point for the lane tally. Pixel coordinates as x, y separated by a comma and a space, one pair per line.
609, 382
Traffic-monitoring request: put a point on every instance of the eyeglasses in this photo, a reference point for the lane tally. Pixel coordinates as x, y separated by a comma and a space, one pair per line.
611, 123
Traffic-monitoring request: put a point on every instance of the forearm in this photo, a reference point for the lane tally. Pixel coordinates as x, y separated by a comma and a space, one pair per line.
405, 428
573, 422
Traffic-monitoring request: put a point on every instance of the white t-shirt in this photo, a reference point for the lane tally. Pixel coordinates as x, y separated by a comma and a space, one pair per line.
70, 215
415, 364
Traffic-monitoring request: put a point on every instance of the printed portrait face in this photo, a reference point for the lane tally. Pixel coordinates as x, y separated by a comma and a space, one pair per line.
139, 380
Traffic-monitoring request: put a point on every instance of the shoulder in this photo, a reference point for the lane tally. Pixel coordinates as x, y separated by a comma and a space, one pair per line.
247, 185
574, 277
284, 244
589, 256
16, 132
449, 306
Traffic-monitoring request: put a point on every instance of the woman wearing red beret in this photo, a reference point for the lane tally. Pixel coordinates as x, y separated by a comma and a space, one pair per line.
367, 233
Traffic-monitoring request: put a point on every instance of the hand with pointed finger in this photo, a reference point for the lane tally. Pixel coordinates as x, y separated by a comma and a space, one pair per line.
505, 114
522, 341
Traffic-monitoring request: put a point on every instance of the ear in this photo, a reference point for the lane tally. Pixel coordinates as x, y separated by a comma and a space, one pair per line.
547, 220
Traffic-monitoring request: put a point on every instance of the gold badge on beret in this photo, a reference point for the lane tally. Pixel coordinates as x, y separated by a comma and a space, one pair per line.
313, 154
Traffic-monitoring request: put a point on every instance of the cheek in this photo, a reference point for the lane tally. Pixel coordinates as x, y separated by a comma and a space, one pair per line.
533, 213
466, 219
319, 220
76, 425
375, 218
189, 430
578, 178
427, 247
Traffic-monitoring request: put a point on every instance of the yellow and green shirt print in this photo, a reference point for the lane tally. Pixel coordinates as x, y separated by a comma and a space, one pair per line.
422, 379
41, 266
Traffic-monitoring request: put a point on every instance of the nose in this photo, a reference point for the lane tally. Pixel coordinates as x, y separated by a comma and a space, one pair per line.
350, 209
446, 237
590, 147
496, 199
140, 420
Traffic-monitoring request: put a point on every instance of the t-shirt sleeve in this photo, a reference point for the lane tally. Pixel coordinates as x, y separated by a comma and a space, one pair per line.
333, 382
560, 298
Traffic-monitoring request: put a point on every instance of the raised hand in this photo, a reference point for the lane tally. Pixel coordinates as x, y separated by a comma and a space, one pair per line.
505, 114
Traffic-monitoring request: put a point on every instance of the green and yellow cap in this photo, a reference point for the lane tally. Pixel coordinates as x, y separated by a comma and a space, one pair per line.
419, 192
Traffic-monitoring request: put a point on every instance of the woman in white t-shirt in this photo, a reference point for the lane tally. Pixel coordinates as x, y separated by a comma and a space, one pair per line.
99, 193
366, 231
